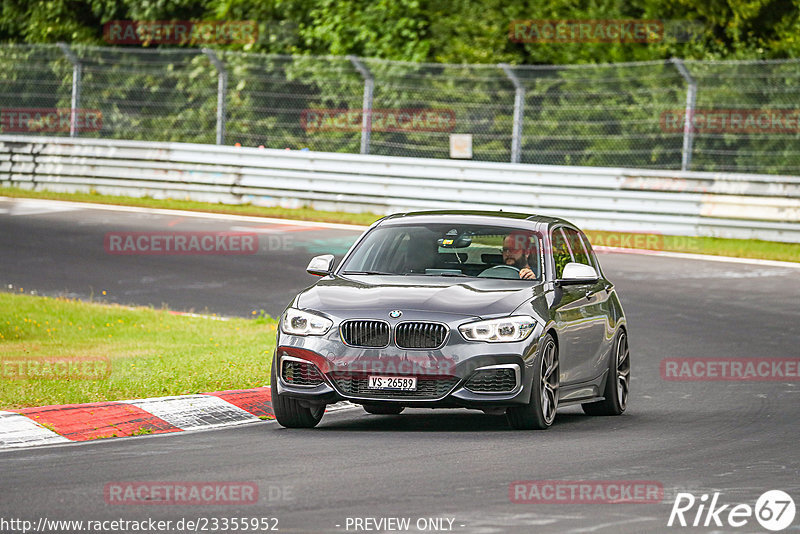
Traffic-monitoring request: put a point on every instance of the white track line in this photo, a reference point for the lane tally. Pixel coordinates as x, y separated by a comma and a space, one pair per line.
270, 220
341, 406
705, 257
198, 214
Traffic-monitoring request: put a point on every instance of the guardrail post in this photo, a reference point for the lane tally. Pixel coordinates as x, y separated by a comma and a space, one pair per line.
76, 88
688, 123
366, 105
519, 103
222, 90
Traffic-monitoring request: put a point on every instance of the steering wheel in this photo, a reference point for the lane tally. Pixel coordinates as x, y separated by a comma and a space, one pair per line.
501, 271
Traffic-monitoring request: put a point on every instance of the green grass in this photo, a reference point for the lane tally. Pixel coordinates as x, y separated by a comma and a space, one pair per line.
304, 214
150, 352
741, 248
738, 248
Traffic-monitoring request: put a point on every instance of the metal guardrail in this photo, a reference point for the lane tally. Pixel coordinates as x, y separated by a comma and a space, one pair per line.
691, 115
744, 206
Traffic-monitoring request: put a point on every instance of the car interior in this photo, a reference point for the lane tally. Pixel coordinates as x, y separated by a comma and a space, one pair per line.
466, 251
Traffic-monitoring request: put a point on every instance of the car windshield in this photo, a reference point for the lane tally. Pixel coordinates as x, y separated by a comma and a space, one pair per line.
458, 250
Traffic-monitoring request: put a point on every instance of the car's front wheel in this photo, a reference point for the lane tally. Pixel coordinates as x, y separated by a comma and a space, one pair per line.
383, 409
289, 412
540, 412
617, 382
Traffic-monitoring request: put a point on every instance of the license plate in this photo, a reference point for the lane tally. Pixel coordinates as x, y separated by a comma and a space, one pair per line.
399, 383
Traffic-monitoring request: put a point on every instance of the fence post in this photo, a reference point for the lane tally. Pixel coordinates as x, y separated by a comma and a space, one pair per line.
688, 123
222, 90
366, 105
76, 88
519, 103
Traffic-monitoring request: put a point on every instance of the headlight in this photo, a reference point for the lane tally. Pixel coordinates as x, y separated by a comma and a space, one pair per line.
301, 323
501, 330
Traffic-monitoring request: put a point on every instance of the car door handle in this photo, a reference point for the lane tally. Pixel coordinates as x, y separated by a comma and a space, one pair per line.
589, 295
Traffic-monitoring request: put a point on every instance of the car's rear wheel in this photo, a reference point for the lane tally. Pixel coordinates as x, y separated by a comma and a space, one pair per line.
540, 412
617, 383
289, 412
383, 409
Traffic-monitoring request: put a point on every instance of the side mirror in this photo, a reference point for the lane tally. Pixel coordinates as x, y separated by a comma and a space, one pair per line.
578, 273
320, 265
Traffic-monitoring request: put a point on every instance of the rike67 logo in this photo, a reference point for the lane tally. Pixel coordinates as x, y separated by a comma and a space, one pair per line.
774, 510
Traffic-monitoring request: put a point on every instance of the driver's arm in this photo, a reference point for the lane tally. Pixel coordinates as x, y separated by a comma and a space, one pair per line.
526, 272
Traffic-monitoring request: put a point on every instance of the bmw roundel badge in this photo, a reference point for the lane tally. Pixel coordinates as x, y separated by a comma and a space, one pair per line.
394, 314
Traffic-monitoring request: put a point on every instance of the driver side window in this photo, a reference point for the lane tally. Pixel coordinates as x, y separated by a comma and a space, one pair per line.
576, 246
561, 253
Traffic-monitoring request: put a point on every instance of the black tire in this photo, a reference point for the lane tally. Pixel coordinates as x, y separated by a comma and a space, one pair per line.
288, 412
383, 409
540, 412
617, 382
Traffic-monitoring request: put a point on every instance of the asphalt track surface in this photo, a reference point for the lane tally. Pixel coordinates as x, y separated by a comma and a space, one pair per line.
736, 438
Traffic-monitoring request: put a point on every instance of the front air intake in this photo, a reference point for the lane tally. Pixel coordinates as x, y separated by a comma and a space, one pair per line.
298, 373
493, 380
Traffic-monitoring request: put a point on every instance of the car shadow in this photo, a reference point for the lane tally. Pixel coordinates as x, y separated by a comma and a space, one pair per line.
451, 421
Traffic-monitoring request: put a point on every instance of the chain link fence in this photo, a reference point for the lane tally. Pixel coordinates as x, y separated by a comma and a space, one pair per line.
694, 115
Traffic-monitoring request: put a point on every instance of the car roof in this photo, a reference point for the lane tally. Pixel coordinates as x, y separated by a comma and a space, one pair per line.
474, 217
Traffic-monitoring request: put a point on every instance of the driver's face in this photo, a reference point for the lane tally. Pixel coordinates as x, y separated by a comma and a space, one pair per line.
512, 252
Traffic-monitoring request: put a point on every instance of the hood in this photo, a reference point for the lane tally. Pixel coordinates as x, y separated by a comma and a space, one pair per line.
482, 297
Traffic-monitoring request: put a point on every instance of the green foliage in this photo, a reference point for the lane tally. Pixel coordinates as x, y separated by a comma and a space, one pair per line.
606, 115
452, 31
388, 29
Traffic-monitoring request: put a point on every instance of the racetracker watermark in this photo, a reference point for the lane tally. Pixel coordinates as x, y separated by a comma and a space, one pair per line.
730, 369
398, 366
50, 120
586, 31
184, 32
741, 121
182, 525
378, 120
182, 493
183, 243
585, 492
605, 242
55, 368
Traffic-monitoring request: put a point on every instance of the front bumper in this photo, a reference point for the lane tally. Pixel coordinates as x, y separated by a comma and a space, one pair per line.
455, 375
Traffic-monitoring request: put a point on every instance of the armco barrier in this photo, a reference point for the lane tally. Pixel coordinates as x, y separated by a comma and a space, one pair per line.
668, 202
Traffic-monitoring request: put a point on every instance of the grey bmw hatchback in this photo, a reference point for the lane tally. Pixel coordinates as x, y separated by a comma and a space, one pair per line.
502, 312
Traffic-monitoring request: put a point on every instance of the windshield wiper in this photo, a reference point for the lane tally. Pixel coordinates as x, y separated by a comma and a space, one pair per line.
450, 274
366, 272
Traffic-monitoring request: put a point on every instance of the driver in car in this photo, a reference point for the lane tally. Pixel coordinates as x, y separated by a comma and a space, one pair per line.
517, 248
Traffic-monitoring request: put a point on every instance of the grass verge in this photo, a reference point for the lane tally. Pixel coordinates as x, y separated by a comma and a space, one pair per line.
740, 248
715, 246
60, 351
303, 214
